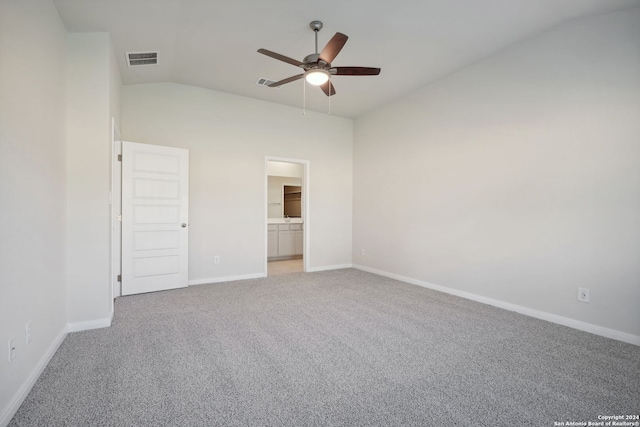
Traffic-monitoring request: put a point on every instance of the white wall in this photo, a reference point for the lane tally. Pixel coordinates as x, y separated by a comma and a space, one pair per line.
285, 169
228, 137
32, 193
91, 87
115, 86
516, 179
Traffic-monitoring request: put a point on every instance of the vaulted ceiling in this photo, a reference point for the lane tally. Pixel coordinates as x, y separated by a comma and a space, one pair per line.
213, 43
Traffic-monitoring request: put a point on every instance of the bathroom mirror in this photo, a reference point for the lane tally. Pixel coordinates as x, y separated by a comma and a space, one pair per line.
292, 196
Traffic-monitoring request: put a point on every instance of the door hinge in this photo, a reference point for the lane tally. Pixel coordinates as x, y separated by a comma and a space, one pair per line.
119, 157
120, 218
119, 277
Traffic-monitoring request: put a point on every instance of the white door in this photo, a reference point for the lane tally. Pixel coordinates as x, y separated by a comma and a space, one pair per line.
155, 212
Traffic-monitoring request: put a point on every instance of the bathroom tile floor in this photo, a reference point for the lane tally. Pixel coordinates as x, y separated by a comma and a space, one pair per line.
276, 268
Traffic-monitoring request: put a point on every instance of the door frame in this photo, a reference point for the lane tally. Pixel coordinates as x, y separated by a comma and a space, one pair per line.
306, 216
116, 210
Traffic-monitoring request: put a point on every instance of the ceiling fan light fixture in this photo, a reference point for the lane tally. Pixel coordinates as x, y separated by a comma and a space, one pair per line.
317, 77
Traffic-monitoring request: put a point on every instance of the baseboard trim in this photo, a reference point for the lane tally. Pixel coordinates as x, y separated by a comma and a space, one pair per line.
22, 393
196, 282
283, 258
90, 324
549, 317
226, 279
328, 267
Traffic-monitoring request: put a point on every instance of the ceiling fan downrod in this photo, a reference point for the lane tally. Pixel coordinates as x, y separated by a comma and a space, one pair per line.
316, 26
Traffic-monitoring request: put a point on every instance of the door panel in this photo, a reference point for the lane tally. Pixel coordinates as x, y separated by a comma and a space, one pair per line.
147, 240
156, 188
155, 191
149, 214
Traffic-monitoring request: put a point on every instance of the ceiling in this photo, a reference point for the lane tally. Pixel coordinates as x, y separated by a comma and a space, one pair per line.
213, 44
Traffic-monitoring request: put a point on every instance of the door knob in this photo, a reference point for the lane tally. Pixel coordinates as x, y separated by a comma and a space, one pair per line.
184, 225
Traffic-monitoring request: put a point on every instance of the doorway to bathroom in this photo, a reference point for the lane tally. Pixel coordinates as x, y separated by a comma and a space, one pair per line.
287, 201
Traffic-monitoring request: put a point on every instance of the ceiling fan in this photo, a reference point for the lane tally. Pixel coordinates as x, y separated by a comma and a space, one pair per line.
317, 66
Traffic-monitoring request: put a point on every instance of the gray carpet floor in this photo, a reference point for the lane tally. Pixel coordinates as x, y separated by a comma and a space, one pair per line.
336, 348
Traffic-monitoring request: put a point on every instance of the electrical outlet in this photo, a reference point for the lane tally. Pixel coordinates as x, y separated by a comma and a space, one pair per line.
583, 294
361, 251
12, 349
216, 259
27, 331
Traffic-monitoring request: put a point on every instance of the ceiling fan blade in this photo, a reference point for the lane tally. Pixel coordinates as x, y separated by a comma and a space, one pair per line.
287, 80
332, 48
355, 71
280, 57
328, 88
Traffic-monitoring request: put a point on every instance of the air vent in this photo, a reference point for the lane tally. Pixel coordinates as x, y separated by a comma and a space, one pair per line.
141, 58
266, 82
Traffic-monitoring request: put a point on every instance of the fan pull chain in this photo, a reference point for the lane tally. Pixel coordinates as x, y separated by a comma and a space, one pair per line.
304, 98
330, 86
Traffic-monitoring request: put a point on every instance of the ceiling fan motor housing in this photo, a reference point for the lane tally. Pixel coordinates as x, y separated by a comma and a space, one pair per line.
312, 61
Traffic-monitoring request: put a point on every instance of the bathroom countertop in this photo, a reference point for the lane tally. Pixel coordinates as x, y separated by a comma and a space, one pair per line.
284, 221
